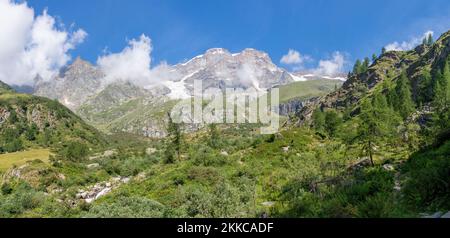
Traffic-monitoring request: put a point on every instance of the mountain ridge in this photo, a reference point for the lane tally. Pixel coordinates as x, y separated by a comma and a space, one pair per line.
389, 65
113, 106
33, 121
217, 67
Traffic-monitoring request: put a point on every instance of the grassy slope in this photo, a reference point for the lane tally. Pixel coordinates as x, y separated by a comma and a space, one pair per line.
4, 87
130, 116
134, 114
63, 125
307, 89
9, 160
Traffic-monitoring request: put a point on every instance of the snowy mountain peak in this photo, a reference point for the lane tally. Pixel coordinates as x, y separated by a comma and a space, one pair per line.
216, 68
254, 52
215, 51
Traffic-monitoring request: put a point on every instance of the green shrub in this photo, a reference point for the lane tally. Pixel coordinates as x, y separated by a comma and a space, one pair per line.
206, 156
75, 151
127, 207
428, 179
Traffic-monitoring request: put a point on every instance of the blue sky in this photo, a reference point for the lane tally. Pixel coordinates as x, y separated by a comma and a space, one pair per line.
182, 29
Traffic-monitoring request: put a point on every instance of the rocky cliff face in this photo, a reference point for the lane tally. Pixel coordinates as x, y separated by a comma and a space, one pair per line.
291, 107
73, 86
220, 69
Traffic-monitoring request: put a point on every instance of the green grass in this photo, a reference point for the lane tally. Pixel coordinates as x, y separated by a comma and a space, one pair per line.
14, 96
7, 161
307, 89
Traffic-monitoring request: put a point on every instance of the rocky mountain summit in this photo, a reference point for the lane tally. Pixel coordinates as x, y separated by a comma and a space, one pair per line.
219, 68
124, 106
73, 85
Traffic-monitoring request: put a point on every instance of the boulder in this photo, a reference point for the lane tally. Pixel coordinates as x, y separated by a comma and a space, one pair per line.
92, 166
268, 204
109, 153
388, 167
362, 163
434, 215
446, 215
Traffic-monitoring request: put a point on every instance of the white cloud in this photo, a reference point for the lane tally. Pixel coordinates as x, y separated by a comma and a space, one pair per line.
292, 57
248, 76
327, 67
131, 64
32, 45
331, 66
295, 59
160, 73
407, 45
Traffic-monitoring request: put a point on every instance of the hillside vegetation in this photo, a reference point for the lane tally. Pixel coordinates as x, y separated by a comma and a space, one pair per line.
31, 122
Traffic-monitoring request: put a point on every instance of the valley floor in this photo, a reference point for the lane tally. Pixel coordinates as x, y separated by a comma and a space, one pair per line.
292, 174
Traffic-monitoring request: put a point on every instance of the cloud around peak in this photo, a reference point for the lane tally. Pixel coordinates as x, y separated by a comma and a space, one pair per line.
134, 64
131, 64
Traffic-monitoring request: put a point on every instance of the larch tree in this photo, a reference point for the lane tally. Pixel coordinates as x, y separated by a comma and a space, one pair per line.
403, 102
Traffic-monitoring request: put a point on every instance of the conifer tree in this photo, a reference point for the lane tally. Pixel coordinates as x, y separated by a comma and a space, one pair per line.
383, 50
357, 67
213, 136
403, 102
319, 120
441, 87
368, 129
380, 102
430, 40
376, 123
446, 79
374, 58
365, 65
441, 101
332, 122
174, 140
425, 86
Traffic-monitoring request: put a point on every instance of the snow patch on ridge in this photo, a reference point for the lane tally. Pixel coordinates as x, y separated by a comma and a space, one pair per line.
334, 78
189, 61
178, 89
298, 78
